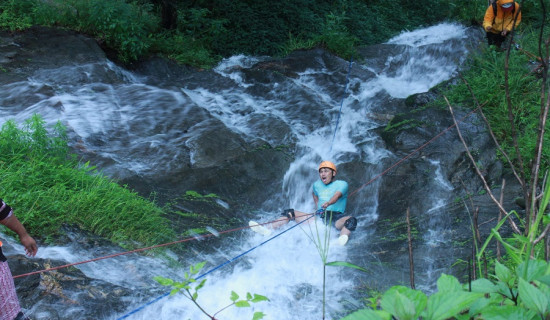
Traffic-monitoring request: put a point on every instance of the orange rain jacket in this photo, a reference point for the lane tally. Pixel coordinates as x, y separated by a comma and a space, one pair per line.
503, 20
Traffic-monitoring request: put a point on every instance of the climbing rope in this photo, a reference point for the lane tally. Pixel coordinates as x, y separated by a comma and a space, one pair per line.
199, 237
218, 266
341, 104
527, 53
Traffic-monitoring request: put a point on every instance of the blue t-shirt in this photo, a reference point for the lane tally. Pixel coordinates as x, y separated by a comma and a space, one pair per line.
325, 191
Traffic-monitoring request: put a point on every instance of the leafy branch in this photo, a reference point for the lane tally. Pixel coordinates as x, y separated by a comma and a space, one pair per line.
189, 287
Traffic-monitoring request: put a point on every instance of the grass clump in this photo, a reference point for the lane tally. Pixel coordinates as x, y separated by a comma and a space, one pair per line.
48, 187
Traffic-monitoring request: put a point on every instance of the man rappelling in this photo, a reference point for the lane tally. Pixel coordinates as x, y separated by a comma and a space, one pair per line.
330, 197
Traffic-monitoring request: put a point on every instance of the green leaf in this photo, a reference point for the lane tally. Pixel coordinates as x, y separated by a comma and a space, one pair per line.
197, 267
258, 298
545, 279
444, 305
506, 291
545, 198
200, 285
164, 281
531, 269
242, 304
181, 285
504, 274
174, 291
367, 314
404, 303
483, 285
507, 313
532, 297
447, 283
258, 315
248, 296
480, 305
345, 264
234, 296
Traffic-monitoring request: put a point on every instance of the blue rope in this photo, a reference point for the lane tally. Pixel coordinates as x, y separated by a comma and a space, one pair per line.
341, 104
215, 268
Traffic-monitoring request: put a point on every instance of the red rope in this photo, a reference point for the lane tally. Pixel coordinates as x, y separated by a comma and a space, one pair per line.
246, 227
128, 252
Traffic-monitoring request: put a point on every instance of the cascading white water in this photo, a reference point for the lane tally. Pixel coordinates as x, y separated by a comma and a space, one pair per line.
288, 269
437, 234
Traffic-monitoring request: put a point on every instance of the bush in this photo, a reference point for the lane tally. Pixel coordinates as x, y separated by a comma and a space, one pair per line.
14, 14
125, 28
48, 187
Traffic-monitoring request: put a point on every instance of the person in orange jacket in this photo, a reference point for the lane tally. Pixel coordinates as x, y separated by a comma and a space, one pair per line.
9, 304
499, 20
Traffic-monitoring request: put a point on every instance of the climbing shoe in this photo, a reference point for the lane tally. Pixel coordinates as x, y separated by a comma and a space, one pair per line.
256, 227
343, 239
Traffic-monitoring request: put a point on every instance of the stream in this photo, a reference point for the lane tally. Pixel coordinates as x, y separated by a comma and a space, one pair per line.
166, 133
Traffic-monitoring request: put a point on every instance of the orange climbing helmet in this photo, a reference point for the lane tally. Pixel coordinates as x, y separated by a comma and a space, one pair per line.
328, 164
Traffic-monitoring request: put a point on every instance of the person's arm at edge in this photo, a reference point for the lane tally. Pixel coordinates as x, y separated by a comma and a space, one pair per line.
26, 240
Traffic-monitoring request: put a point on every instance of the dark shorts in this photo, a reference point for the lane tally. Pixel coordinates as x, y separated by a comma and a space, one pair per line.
331, 216
495, 39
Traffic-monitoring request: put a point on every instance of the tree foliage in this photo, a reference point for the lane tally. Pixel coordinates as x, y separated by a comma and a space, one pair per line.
201, 32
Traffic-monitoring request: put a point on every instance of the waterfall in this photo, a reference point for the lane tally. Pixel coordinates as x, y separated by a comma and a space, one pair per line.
131, 125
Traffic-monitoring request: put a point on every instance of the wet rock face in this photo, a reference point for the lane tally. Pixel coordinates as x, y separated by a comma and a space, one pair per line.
50, 294
21, 53
422, 133
246, 171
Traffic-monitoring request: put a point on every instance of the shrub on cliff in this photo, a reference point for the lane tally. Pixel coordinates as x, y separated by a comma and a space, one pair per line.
48, 188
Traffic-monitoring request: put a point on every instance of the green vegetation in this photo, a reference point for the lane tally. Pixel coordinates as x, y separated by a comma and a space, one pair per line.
520, 290
200, 33
190, 289
486, 79
195, 196
512, 91
48, 189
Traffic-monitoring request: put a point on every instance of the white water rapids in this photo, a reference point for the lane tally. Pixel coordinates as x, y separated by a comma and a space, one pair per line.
288, 269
